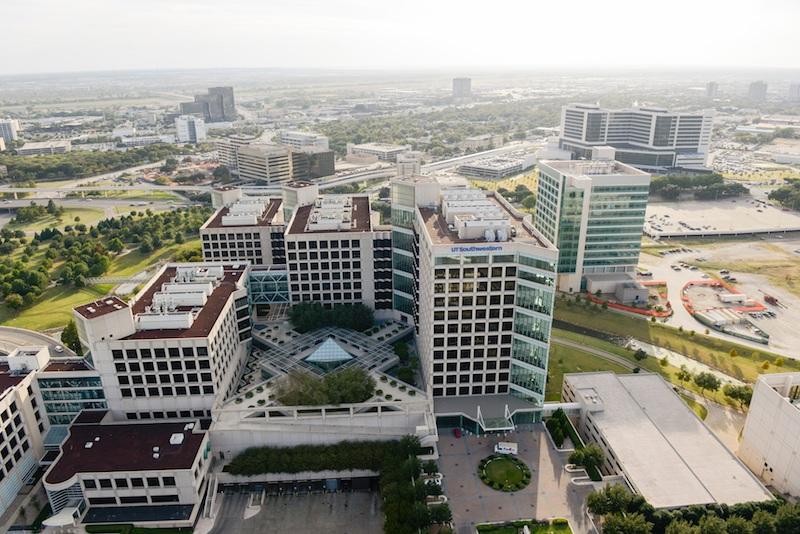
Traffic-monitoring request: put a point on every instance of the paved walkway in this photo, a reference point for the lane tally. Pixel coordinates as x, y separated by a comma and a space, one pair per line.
677, 359
550, 493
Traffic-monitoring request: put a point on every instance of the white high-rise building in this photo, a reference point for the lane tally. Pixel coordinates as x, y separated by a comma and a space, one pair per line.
302, 140
178, 348
9, 129
190, 129
594, 212
794, 92
769, 445
409, 164
462, 87
647, 138
228, 150
478, 282
757, 91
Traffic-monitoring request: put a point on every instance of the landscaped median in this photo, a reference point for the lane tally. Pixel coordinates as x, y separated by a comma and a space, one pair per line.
553, 526
560, 427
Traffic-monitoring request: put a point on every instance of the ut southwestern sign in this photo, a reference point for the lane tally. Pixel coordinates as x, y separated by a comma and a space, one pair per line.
485, 248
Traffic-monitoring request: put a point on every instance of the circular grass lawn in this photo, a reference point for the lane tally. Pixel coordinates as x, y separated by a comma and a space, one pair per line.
504, 473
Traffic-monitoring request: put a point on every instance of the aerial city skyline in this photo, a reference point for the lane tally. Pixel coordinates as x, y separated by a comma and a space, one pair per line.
358, 267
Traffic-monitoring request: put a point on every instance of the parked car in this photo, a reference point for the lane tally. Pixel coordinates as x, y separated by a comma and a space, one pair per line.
59, 349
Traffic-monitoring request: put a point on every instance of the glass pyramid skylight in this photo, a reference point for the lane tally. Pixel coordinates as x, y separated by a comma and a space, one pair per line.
329, 355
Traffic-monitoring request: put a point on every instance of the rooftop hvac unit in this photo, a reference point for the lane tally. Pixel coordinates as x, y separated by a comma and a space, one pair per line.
176, 438
489, 235
502, 235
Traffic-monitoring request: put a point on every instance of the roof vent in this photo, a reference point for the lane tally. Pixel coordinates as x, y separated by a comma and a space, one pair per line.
156, 455
188, 426
176, 438
97, 438
88, 445
156, 449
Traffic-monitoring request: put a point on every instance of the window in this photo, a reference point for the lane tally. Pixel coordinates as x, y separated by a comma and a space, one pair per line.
105, 483
89, 484
169, 482
153, 482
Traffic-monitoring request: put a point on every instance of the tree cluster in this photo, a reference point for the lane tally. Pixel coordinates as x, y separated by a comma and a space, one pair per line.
80, 163
521, 195
787, 195
34, 212
710, 186
346, 386
626, 513
308, 316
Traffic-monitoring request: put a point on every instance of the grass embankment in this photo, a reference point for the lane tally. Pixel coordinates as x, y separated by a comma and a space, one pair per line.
700, 410
651, 364
739, 361
53, 308
556, 526
87, 216
564, 360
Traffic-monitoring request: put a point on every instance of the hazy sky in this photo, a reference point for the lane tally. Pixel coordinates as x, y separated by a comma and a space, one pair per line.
74, 35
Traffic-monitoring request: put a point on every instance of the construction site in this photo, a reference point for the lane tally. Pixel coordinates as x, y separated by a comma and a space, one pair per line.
720, 306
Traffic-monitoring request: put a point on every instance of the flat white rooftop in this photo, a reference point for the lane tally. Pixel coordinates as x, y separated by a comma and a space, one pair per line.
667, 454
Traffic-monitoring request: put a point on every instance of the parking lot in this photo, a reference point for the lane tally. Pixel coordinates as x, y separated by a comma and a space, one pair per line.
357, 512
549, 494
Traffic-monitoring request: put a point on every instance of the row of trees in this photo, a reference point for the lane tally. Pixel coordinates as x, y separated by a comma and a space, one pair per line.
703, 186
521, 195
34, 212
349, 385
308, 316
707, 381
401, 485
626, 513
80, 163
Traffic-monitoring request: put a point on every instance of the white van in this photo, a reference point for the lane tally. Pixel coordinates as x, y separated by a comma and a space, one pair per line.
505, 447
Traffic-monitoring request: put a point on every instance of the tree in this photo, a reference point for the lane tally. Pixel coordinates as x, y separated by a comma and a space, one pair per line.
680, 526
222, 173
640, 355
626, 524
614, 499
590, 457
70, 338
706, 381
116, 245
742, 394
711, 524
430, 467
787, 519
441, 514
14, 301
763, 522
683, 374
738, 525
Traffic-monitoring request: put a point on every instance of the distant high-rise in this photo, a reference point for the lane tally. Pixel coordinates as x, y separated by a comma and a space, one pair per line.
794, 91
758, 91
712, 89
647, 138
190, 129
8, 130
462, 87
218, 105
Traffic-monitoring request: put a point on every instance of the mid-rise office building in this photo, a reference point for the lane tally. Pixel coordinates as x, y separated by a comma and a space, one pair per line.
9, 129
794, 92
478, 281
228, 150
712, 90
58, 146
146, 473
594, 212
376, 151
462, 87
769, 445
22, 423
647, 138
302, 140
497, 167
177, 348
757, 91
190, 129
218, 105
68, 386
271, 164
249, 229
335, 252
409, 164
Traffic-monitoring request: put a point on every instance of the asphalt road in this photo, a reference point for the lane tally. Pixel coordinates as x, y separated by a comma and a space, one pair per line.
231, 513
11, 338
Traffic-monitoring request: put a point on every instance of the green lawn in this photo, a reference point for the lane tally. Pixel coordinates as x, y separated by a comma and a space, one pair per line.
554, 527
745, 364
503, 471
88, 216
53, 308
565, 360
135, 261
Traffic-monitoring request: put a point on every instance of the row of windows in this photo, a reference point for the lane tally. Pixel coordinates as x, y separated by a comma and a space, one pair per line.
470, 365
322, 297
174, 352
305, 245
327, 266
133, 499
470, 287
241, 245
325, 255
471, 341
466, 378
133, 416
132, 482
469, 327
238, 236
480, 300
472, 272
167, 391
470, 390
